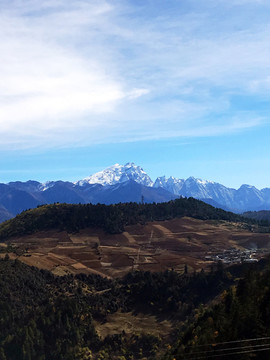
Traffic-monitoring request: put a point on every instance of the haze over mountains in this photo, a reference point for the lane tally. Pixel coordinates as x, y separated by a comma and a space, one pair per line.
127, 183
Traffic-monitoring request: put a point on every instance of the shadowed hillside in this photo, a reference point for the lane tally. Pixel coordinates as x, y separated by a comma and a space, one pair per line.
111, 218
45, 317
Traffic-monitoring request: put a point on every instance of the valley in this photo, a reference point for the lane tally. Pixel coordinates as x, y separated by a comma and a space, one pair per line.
155, 246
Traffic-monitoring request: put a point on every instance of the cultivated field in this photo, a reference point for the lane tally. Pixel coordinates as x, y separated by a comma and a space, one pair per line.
156, 246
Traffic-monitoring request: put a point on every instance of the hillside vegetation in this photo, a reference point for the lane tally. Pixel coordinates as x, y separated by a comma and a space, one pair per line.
44, 317
263, 216
235, 327
111, 218
86, 316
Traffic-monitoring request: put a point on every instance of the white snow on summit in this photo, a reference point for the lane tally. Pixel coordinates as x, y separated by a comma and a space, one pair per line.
47, 185
118, 174
246, 197
171, 184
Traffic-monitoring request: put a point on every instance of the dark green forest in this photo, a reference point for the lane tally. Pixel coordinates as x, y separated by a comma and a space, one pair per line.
114, 218
237, 326
263, 215
45, 317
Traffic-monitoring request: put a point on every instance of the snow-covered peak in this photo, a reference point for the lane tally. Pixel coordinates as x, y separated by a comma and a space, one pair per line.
190, 179
118, 174
47, 185
131, 164
171, 184
249, 189
190, 187
198, 181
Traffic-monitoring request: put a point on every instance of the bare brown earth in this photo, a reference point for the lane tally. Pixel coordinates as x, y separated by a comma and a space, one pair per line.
156, 246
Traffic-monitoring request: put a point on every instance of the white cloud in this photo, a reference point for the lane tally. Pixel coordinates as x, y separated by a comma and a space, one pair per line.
83, 72
47, 84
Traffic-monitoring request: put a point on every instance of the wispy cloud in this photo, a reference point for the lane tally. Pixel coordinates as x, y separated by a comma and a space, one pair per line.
84, 72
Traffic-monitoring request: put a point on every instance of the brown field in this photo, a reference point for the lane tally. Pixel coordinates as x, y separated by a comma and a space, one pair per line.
134, 324
156, 246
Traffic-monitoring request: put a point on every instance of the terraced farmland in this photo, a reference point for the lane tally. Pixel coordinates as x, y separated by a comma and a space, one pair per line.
155, 246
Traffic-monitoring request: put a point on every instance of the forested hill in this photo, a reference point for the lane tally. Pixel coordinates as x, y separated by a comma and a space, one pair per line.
44, 317
111, 218
263, 215
235, 327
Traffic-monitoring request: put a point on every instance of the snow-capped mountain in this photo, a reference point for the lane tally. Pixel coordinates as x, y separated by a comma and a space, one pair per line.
246, 197
118, 174
197, 188
171, 184
125, 183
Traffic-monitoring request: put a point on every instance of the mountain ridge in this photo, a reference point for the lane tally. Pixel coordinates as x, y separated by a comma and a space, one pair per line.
112, 219
128, 183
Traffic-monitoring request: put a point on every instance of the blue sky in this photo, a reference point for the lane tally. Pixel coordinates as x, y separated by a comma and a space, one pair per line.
179, 87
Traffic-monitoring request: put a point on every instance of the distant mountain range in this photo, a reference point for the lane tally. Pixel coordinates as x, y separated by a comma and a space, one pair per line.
128, 183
